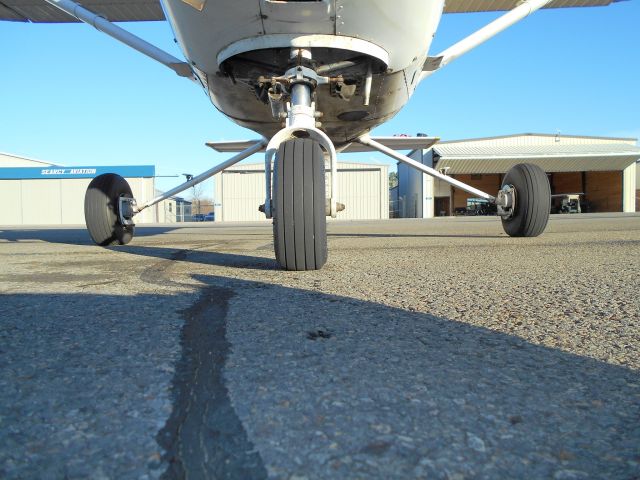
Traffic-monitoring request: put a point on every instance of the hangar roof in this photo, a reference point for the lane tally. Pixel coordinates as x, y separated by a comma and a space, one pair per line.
479, 159
11, 160
545, 137
396, 143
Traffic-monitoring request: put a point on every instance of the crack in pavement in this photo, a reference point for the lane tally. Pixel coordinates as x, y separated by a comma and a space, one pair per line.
204, 438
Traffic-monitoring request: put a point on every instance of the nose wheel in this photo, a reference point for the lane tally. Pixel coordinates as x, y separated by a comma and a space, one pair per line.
108, 210
299, 206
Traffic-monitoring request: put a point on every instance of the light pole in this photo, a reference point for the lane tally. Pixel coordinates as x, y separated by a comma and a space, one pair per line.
189, 177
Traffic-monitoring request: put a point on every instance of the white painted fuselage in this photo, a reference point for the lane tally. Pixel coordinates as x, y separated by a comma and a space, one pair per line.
232, 43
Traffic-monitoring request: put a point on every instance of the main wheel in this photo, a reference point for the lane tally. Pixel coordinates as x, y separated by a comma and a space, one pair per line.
299, 218
101, 204
532, 201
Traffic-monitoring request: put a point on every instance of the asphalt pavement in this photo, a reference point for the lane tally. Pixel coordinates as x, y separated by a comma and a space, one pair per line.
435, 349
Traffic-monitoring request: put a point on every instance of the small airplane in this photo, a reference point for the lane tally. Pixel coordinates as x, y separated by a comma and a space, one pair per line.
313, 78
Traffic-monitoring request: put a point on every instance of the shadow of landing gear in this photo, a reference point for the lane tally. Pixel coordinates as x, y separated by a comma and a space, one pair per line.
359, 389
294, 382
201, 256
70, 236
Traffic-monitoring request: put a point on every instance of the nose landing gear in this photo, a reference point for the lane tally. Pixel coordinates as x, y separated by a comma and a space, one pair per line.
299, 217
295, 196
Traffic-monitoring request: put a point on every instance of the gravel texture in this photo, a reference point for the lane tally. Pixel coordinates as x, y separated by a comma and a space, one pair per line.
424, 349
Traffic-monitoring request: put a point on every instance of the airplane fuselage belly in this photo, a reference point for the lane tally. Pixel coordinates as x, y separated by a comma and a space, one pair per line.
231, 43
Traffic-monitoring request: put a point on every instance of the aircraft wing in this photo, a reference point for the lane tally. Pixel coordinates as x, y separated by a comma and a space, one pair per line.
395, 143
38, 11
464, 6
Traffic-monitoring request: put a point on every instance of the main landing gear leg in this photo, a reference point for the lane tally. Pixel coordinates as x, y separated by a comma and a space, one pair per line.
523, 202
107, 210
109, 206
529, 214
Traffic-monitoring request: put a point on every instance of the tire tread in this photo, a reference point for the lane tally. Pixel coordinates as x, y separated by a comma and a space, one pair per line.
101, 210
533, 201
299, 221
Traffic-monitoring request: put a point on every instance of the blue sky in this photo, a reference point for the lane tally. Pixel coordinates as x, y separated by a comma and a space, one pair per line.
73, 96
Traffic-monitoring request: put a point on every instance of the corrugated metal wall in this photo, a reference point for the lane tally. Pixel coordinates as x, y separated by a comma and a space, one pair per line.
238, 193
363, 188
59, 201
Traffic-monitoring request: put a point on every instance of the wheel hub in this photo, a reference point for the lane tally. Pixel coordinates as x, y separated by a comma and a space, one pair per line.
506, 201
126, 210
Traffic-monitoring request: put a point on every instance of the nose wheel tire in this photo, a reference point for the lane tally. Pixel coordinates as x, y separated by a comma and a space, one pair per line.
532, 201
299, 206
101, 205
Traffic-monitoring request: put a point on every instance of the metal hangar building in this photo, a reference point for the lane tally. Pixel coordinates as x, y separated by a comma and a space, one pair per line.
362, 187
34, 192
601, 169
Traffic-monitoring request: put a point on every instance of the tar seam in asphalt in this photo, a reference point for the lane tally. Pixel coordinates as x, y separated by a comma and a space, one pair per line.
204, 437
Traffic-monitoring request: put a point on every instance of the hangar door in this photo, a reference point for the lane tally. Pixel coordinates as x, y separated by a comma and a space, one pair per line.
361, 187
239, 193
360, 190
